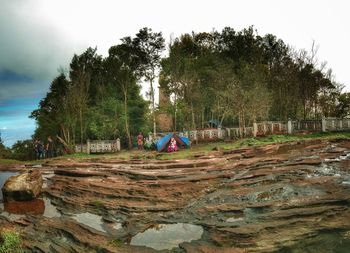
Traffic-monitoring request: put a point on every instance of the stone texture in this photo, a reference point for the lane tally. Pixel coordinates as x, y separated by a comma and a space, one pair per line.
25, 186
275, 198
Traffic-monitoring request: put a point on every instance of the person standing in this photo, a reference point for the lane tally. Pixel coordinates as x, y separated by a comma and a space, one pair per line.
50, 148
140, 141
36, 150
39, 150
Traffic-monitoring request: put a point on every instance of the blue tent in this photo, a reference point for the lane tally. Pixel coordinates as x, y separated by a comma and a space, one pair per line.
163, 142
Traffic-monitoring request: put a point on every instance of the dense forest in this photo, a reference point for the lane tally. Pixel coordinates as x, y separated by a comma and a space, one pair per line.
234, 77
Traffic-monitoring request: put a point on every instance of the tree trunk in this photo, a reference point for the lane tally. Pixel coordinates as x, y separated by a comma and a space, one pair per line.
127, 120
175, 113
192, 114
153, 108
81, 126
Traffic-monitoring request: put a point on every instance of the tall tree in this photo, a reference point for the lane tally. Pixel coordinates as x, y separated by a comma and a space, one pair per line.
122, 64
151, 44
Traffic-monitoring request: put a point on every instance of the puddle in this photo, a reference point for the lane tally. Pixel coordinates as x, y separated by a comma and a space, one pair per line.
91, 220
47, 179
117, 226
339, 158
50, 210
233, 219
18, 209
3, 177
167, 236
33, 207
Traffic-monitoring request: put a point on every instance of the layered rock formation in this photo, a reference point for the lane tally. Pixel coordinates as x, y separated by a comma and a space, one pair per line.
290, 197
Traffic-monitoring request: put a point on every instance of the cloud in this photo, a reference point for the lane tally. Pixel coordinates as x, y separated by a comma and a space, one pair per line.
31, 51
30, 45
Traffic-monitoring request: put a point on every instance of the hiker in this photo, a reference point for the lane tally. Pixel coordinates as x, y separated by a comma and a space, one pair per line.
35, 147
39, 149
50, 148
172, 145
140, 141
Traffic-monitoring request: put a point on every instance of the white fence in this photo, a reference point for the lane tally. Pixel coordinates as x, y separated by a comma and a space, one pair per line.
213, 134
268, 128
99, 146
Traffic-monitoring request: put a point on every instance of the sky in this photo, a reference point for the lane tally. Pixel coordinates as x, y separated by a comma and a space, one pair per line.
37, 37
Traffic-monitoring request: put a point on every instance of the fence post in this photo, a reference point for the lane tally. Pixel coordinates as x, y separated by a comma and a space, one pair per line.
220, 135
340, 124
87, 147
323, 123
118, 144
255, 129
289, 127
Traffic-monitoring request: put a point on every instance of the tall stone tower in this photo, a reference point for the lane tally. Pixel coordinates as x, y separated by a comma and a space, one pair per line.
164, 119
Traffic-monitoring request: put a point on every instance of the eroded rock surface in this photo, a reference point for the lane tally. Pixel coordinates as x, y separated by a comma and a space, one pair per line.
277, 198
23, 187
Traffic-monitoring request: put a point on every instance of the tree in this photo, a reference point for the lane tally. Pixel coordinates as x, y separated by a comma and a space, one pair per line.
4, 152
122, 65
151, 45
343, 106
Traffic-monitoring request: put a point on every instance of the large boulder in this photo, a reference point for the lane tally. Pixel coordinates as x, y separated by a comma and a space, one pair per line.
25, 186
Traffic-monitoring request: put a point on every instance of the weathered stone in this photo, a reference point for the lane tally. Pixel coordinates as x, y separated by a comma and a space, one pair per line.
258, 199
25, 186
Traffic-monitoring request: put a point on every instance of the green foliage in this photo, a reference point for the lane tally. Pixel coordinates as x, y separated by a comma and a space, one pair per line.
235, 77
10, 243
117, 243
4, 152
239, 76
98, 203
23, 151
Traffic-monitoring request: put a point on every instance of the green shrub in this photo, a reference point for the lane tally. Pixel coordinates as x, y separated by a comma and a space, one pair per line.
10, 243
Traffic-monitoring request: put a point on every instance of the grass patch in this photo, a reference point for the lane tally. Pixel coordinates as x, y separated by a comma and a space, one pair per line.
97, 203
10, 242
117, 243
10, 162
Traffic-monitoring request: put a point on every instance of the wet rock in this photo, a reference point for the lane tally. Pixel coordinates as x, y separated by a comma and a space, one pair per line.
36, 207
25, 186
259, 199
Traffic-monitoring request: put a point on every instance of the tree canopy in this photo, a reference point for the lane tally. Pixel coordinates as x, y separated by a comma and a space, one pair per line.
234, 77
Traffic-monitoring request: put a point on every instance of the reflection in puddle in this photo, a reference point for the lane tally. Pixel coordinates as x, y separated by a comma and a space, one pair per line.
46, 177
17, 209
233, 219
50, 210
90, 220
34, 207
117, 226
167, 236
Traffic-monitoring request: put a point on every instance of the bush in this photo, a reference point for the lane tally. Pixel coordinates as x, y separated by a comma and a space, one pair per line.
10, 242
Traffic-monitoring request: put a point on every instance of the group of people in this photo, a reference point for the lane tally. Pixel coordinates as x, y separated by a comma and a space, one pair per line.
172, 147
44, 151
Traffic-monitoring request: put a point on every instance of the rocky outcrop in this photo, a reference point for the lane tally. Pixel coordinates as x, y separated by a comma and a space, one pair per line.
289, 197
23, 187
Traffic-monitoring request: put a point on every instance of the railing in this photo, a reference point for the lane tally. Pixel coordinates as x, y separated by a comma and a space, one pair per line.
267, 128
214, 134
99, 146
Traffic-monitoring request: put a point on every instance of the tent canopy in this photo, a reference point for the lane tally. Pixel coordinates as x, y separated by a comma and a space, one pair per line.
163, 142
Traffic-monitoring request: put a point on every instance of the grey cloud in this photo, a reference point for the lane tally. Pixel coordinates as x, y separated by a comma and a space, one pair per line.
31, 47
